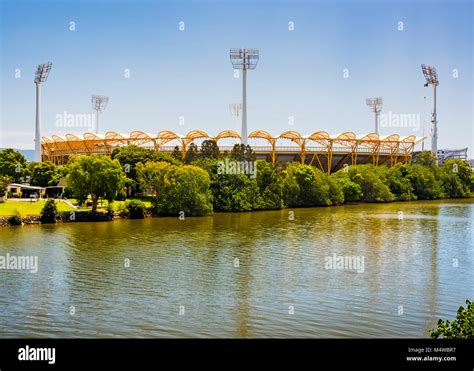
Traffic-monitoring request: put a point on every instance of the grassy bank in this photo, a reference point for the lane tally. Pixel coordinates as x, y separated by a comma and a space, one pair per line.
8, 207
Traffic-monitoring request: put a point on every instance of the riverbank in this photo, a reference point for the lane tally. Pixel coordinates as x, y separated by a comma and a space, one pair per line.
73, 216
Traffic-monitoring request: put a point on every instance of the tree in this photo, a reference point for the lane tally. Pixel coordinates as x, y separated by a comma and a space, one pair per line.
242, 152
129, 156
400, 184
230, 192
210, 149
304, 185
425, 185
152, 175
460, 328
425, 158
178, 189
135, 209
352, 191
270, 191
13, 164
49, 212
192, 153
4, 181
372, 181
177, 153
43, 174
97, 176
456, 178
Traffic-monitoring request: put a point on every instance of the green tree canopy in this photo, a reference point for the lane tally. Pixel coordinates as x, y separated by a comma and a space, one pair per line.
304, 185
372, 181
129, 156
44, 174
179, 189
192, 153
97, 176
13, 164
210, 149
456, 178
242, 152
425, 158
4, 180
352, 191
460, 328
424, 183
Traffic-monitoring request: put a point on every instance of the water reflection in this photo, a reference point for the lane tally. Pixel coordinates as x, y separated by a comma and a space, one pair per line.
182, 281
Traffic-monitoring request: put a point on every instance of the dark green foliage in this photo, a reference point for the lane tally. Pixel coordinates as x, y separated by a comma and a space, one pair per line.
304, 185
425, 158
97, 176
425, 185
44, 174
129, 156
49, 213
135, 209
180, 190
270, 190
460, 328
352, 191
13, 164
210, 149
15, 219
192, 153
372, 181
242, 152
400, 183
4, 181
455, 178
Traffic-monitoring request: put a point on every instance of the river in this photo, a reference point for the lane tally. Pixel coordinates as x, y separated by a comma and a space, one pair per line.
235, 275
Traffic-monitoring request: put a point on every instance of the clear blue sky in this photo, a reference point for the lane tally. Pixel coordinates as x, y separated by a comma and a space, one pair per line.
188, 73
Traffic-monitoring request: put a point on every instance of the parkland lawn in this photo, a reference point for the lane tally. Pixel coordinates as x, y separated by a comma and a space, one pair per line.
8, 207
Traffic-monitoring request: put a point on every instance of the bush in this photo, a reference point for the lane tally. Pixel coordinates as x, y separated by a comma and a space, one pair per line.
304, 185
15, 219
270, 191
400, 184
135, 209
49, 212
425, 185
352, 191
178, 189
456, 178
372, 181
460, 328
231, 192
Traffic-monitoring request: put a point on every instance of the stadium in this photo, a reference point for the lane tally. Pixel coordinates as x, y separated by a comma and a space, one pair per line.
326, 152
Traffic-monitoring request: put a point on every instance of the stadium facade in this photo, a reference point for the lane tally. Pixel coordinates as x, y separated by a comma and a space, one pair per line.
326, 152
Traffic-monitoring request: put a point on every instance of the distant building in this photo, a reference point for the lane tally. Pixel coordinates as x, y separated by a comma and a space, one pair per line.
445, 154
24, 190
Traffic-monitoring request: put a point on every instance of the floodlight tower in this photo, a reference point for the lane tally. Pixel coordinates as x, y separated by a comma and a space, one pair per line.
99, 102
432, 79
236, 111
244, 59
376, 106
42, 73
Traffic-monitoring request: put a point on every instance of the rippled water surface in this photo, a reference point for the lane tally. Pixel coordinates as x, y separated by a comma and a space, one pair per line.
410, 252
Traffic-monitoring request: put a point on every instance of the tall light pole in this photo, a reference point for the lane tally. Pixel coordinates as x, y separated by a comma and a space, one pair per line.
376, 106
432, 79
236, 111
244, 59
42, 73
99, 102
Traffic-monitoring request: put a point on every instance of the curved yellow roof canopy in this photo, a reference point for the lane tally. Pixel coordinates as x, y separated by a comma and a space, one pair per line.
165, 136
